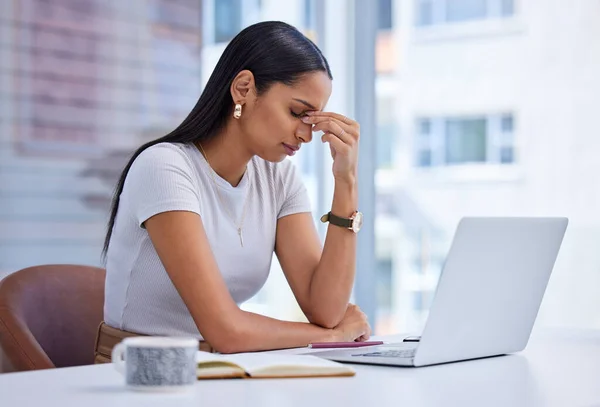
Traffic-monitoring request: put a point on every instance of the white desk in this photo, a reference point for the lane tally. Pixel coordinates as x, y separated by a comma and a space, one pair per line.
558, 368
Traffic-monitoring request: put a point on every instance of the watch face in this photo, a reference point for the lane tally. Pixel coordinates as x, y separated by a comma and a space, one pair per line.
357, 222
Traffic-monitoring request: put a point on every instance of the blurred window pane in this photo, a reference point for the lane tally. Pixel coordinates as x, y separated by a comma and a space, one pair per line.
425, 12
424, 127
461, 10
465, 141
386, 134
384, 14
228, 19
424, 158
506, 155
433, 12
309, 14
507, 124
507, 7
384, 283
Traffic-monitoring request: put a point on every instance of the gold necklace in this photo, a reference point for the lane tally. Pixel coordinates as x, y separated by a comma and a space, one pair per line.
239, 226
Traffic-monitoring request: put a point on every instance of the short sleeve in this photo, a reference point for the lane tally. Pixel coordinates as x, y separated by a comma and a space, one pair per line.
160, 180
295, 196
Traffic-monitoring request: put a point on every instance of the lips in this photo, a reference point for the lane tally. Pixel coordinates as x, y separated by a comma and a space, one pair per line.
290, 150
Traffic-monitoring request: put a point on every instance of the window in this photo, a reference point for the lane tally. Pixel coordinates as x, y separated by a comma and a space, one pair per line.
464, 140
228, 19
434, 12
384, 14
386, 132
309, 15
425, 12
462, 10
384, 283
421, 301
507, 7
224, 19
505, 142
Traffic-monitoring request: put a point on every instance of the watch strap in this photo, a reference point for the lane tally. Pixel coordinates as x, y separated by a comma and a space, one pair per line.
336, 220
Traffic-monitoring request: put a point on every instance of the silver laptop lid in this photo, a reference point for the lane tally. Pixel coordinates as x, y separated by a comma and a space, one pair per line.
491, 287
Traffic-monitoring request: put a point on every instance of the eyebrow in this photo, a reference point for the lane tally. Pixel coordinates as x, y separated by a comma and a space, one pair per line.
306, 103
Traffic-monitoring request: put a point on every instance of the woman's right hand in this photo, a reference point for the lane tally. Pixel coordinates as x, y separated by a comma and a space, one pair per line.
353, 327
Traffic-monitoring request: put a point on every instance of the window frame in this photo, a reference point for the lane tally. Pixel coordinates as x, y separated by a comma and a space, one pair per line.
439, 15
434, 141
250, 13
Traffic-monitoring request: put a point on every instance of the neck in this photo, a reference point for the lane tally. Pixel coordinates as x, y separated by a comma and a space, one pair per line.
226, 153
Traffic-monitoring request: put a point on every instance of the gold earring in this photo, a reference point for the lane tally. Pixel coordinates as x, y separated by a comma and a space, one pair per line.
237, 113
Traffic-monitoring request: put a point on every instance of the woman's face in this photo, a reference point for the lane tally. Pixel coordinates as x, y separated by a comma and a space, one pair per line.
272, 123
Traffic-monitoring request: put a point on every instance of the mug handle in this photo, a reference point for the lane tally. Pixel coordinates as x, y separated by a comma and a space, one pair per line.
117, 357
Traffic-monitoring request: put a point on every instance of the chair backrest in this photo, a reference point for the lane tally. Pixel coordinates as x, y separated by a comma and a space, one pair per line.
49, 315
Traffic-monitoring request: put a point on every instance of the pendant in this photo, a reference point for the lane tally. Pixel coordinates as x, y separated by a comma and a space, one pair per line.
241, 236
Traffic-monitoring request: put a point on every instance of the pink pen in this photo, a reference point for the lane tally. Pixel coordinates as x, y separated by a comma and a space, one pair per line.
326, 345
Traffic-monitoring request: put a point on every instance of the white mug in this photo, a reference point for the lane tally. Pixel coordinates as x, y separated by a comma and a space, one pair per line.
157, 363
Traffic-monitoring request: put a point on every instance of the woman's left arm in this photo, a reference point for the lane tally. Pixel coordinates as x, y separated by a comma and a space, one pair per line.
322, 280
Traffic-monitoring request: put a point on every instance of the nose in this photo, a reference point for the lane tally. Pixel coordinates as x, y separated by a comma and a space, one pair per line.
304, 133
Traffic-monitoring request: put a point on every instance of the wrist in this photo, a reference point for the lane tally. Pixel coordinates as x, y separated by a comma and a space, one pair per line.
330, 335
348, 181
345, 198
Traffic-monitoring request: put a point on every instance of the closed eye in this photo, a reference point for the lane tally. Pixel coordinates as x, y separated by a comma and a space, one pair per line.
298, 115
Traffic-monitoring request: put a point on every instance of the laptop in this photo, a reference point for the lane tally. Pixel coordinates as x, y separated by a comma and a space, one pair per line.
487, 298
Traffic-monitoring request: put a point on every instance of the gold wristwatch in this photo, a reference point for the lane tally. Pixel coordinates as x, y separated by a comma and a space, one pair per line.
354, 222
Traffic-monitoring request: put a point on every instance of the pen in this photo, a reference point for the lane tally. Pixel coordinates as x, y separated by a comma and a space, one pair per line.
325, 345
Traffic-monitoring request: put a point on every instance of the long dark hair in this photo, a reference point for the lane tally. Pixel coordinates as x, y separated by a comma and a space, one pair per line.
273, 51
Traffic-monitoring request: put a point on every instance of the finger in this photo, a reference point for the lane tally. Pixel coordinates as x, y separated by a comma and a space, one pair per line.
335, 142
332, 127
337, 116
316, 120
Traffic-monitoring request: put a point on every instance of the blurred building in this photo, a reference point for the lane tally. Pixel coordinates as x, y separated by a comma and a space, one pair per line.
83, 83
495, 105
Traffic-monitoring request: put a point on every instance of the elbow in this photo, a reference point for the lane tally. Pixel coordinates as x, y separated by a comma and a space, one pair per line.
226, 344
225, 347
227, 337
324, 311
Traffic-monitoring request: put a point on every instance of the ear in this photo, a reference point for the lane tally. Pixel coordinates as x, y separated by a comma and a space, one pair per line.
243, 87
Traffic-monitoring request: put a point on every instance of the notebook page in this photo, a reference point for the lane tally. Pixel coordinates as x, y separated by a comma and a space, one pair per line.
202, 356
253, 362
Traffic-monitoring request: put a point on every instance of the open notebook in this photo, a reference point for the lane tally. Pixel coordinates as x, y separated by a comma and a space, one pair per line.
264, 365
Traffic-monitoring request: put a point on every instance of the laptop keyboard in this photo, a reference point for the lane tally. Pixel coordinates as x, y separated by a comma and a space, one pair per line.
396, 353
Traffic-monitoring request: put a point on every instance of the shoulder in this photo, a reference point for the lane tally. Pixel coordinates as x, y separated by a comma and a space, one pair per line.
162, 163
169, 153
160, 179
171, 158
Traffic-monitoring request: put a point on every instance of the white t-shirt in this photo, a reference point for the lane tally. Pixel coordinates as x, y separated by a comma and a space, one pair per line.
139, 295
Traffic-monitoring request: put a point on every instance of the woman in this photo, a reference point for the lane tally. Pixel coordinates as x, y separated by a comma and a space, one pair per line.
198, 213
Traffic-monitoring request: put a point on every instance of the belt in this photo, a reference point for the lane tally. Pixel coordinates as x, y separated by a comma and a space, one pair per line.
108, 337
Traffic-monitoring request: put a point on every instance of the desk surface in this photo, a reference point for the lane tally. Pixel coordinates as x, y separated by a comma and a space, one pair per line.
558, 368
